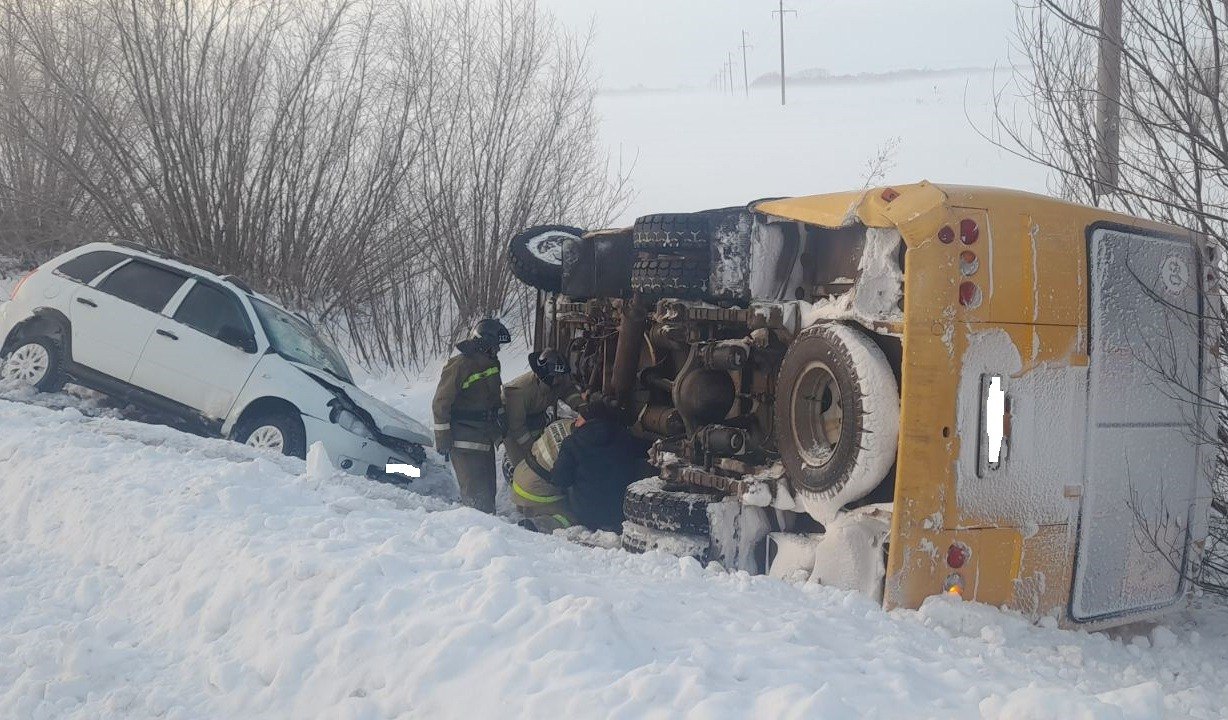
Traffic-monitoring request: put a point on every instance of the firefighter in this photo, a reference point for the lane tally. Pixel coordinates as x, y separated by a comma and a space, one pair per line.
468, 412
591, 469
542, 503
596, 463
527, 398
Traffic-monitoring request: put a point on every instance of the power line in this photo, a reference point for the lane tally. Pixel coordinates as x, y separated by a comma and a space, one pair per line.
782, 12
745, 76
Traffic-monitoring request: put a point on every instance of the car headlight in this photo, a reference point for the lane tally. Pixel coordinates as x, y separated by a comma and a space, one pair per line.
351, 422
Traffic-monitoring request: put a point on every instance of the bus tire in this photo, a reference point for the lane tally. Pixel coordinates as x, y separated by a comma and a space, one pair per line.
535, 255
670, 507
639, 539
837, 417
680, 275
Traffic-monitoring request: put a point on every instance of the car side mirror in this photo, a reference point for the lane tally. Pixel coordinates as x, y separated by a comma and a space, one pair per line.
235, 337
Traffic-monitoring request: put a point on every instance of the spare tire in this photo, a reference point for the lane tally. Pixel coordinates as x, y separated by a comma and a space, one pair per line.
837, 417
658, 505
679, 275
536, 255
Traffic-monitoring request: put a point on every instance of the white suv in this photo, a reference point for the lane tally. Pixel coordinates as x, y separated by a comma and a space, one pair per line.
205, 348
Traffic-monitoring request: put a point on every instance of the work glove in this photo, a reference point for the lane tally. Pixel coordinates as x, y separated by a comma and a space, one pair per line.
443, 443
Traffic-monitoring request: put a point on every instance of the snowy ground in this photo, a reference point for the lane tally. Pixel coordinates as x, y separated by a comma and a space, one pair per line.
147, 573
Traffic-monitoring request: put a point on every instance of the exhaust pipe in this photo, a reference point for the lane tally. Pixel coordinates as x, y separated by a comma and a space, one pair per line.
630, 345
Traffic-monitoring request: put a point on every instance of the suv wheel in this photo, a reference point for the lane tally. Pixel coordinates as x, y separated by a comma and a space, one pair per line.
37, 363
280, 432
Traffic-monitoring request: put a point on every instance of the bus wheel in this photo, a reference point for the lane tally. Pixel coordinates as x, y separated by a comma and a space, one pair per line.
837, 417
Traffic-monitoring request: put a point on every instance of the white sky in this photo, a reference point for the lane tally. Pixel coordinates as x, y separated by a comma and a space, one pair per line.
665, 43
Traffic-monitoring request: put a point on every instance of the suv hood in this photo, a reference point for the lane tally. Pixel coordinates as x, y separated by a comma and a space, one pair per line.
389, 420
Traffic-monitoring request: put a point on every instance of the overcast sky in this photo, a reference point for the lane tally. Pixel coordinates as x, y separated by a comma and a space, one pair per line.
665, 43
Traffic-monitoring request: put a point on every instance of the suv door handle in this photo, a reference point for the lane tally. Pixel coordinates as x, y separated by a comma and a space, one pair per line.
91, 303
167, 334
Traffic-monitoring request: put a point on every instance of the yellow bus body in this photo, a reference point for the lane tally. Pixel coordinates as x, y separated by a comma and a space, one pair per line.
1032, 257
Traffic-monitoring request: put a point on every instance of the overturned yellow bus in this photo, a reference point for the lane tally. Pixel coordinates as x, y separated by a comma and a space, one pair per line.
907, 391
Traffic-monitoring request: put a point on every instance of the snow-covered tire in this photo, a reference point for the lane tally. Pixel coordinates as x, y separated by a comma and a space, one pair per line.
639, 539
36, 362
680, 275
658, 505
535, 255
837, 417
293, 437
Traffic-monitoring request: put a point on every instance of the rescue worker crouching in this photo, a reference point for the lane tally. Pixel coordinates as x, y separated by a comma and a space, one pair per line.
468, 412
579, 474
527, 398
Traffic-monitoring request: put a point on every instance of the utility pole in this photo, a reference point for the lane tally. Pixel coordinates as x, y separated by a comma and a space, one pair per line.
745, 76
729, 64
1108, 97
782, 12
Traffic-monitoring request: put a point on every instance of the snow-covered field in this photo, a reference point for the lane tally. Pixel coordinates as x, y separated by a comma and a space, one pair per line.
147, 573
700, 149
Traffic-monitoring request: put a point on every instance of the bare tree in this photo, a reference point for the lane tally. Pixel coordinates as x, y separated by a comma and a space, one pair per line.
349, 157
43, 209
1171, 161
509, 141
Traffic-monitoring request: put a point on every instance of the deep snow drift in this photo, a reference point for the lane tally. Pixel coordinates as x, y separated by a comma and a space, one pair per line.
148, 573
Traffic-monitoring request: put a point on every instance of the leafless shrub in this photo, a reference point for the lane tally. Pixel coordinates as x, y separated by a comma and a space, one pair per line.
349, 157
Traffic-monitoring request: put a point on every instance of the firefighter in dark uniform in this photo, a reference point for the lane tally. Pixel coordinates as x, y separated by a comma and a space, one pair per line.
527, 398
468, 412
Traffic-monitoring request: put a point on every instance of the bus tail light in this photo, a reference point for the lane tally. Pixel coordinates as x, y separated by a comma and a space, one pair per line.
889, 194
969, 294
946, 235
968, 263
954, 585
957, 555
969, 231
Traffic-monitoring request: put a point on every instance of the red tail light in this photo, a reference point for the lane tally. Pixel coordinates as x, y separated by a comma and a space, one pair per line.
968, 264
969, 294
17, 287
890, 194
957, 555
968, 231
946, 235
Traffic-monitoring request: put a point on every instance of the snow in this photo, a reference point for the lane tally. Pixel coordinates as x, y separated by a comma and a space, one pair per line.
880, 403
695, 150
146, 573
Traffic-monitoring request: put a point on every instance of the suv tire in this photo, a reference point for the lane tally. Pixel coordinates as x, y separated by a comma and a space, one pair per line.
36, 362
277, 430
536, 255
837, 415
670, 507
682, 276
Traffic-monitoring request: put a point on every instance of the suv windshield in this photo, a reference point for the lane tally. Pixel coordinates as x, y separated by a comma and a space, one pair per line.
295, 340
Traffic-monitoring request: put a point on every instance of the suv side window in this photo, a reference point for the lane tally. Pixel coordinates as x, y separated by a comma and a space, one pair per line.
84, 268
143, 283
208, 308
